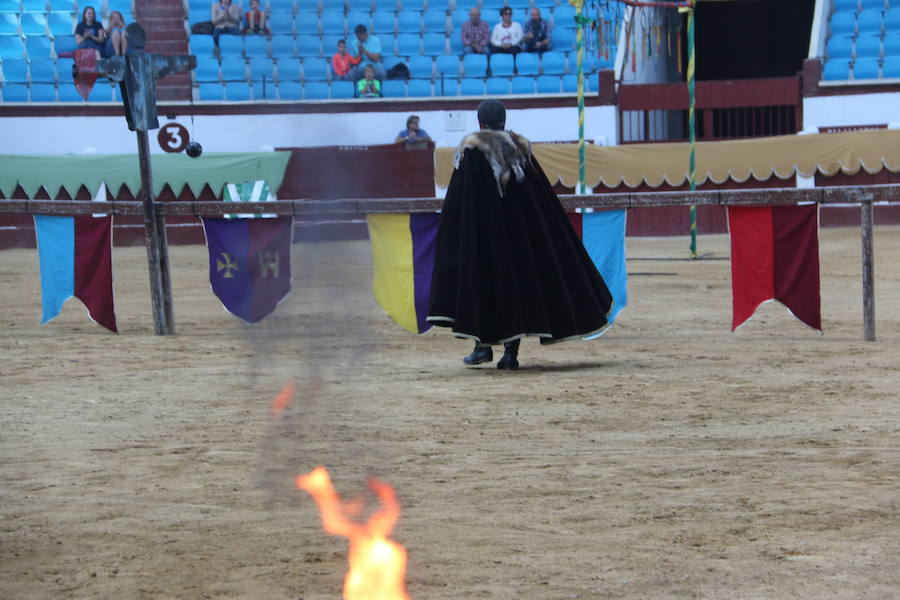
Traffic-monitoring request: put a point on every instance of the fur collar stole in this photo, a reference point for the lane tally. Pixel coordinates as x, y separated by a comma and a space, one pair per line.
506, 152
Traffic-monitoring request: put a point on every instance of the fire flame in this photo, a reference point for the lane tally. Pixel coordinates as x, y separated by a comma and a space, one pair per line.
377, 565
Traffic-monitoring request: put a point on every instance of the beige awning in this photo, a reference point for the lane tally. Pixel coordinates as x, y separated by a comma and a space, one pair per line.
739, 160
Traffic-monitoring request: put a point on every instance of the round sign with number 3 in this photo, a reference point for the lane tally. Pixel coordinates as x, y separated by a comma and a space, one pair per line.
173, 137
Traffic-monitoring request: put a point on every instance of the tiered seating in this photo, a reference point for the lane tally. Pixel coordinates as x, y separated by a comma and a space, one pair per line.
294, 64
36, 42
863, 40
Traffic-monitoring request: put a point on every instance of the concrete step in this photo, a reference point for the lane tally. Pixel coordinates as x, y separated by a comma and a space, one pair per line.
168, 46
156, 12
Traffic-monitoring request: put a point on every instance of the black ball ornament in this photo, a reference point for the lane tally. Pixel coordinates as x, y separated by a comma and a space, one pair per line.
194, 149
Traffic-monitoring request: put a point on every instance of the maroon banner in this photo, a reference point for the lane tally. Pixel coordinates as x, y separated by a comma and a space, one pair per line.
93, 268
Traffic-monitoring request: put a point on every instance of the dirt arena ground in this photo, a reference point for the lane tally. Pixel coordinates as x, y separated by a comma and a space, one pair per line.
669, 459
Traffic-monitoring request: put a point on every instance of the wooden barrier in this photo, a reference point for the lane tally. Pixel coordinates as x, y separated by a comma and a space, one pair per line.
311, 210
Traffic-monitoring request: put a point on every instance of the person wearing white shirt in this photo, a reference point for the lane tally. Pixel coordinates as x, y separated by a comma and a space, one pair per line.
507, 34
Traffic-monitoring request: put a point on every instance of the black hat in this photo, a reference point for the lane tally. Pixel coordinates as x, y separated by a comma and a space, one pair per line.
492, 114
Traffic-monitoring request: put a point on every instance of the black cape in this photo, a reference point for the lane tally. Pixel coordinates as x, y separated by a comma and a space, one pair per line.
510, 265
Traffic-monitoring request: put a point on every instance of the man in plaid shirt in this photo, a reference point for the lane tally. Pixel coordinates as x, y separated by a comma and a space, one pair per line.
476, 34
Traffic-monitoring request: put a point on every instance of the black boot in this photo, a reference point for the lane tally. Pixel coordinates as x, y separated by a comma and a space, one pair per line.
481, 354
510, 358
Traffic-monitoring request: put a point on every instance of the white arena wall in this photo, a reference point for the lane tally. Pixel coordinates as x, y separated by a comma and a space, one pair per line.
851, 109
254, 132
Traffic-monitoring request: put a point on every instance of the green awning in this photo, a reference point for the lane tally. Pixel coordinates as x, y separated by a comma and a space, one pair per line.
71, 171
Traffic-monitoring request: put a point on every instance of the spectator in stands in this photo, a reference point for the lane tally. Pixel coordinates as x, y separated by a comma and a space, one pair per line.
89, 32
256, 20
537, 33
226, 18
368, 47
117, 43
368, 86
476, 34
507, 34
342, 62
413, 133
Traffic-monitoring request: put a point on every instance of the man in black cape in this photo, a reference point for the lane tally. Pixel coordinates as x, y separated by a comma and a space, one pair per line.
508, 263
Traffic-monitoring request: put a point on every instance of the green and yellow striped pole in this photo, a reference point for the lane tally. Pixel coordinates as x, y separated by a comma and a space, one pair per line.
692, 120
579, 49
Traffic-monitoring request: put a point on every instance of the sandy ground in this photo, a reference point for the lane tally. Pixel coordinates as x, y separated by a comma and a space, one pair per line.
669, 459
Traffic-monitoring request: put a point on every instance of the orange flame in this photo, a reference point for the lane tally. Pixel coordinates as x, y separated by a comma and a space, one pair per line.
377, 564
283, 400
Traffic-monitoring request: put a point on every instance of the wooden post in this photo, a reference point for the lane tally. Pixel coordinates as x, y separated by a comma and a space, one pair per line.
868, 270
157, 247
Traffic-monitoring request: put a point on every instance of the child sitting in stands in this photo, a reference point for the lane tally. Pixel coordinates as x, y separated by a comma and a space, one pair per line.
256, 20
342, 62
368, 86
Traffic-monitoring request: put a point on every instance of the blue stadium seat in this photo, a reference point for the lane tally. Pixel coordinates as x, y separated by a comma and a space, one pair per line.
435, 21
419, 88
307, 23
502, 65
332, 22
307, 45
843, 23
892, 20
363, 5
68, 93
869, 22
563, 40
256, 45
60, 23
457, 18
281, 24
65, 45
34, 6
198, 10
38, 47
290, 90
69, 6
492, 7
868, 45
837, 69
211, 92
434, 43
282, 46
358, 18
280, 6
342, 89
9, 24
237, 91
865, 68
260, 68
456, 45
122, 6
553, 63
33, 24
43, 92
448, 86
409, 44
315, 69
471, 87
522, 85
307, 5
520, 5
474, 65
443, 5
384, 23
233, 68
465, 5
202, 45
545, 5
570, 83
564, 16
15, 92
497, 86
420, 67
448, 65
15, 70
315, 90
839, 5
42, 71
330, 42
64, 70
288, 69
892, 44
101, 92
207, 69
891, 67
409, 21
548, 84
527, 63
839, 46
393, 88
871, 5
231, 45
